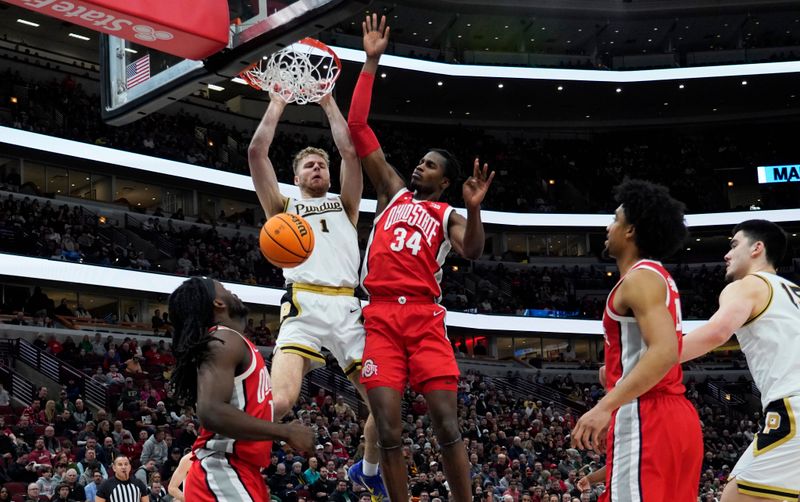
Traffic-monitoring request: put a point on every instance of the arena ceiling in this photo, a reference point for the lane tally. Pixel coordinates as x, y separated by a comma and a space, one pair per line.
587, 26
590, 27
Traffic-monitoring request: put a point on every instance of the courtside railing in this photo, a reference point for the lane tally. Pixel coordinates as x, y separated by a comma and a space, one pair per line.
61, 372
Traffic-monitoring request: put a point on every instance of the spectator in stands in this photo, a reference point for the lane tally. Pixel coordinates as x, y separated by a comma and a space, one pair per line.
65, 425
40, 454
89, 464
262, 333
188, 437
133, 366
130, 396
19, 319
39, 303
87, 434
76, 491
60, 469
118, 432
91, 488
98, 347
46, 483
32, 494
81, 312
108, 452
81, 414
5, 398
155, 448
145, 470
24, 429
129, 447
111, 358
48, 414
103, 431
62, 494
131, 315
343, 409
343, 493
156, 321
23, 470
171, 464
157, 493
63, 309
5, 495
115, 377
280, 484
32, 411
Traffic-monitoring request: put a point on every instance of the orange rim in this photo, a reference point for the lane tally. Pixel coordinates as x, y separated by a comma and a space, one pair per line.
312, 42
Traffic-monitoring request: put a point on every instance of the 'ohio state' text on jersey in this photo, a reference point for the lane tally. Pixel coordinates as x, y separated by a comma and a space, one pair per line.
407, 248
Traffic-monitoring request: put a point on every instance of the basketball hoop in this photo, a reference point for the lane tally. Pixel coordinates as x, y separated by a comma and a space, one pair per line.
301, 73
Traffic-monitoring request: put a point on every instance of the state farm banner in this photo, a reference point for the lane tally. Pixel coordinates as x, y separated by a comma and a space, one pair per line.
191, 29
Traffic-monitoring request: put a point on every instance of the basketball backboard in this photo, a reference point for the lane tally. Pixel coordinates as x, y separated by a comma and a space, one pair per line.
137, 80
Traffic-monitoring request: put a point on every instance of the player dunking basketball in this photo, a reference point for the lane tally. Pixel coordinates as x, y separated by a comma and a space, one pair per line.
763, 309
320, 308
406, 336
654, 445
226, 376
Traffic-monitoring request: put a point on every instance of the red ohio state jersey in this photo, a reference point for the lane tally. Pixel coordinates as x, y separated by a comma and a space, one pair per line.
252, 393
624, 342
407, 248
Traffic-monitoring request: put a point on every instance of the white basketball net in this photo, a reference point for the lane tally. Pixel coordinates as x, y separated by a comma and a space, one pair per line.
301, 73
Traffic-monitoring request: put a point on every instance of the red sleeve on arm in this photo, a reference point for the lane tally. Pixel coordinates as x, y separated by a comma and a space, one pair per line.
364, 138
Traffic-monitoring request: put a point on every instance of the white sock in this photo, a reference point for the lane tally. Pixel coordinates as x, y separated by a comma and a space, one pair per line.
369, 469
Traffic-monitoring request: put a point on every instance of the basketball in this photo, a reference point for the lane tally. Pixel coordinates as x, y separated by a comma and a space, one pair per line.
286, 240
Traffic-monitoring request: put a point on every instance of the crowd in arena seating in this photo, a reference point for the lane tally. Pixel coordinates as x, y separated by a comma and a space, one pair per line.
516, 446
583, 170
30, 227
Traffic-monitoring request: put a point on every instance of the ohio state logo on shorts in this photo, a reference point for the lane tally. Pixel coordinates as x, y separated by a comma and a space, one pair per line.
369, 369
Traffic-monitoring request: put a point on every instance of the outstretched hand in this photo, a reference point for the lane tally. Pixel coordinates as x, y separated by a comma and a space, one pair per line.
475, 187
376, 36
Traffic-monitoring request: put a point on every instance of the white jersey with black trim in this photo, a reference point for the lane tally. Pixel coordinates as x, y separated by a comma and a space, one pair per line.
771, 341
335, 258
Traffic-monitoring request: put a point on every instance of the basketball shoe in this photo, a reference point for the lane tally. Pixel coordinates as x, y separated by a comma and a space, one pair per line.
373, 484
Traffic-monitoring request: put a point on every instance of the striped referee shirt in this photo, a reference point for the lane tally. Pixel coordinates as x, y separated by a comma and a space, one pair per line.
116, 490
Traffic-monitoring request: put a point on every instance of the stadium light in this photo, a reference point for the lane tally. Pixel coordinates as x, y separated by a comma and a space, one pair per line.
565, 74
147, 164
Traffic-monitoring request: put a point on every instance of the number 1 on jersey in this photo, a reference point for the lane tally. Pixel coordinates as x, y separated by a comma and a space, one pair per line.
794, 294
324, 225
400, 241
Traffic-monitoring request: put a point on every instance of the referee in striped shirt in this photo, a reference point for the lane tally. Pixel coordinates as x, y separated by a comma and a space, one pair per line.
121, 488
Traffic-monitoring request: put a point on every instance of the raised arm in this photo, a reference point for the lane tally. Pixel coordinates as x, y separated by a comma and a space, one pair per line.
350, 176
381, 174
466, 234
738, 302
215, 378
261, 169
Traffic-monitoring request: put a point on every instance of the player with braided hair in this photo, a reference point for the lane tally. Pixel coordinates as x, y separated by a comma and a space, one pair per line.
226, 376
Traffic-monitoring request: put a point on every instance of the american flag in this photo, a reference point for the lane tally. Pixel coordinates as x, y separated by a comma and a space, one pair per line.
137, 72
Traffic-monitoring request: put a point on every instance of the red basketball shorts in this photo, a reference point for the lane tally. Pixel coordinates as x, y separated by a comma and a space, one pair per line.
654, 451
407, 343
224, 477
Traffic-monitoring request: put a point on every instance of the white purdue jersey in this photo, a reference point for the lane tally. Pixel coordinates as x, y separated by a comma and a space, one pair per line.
771, 341
335, 259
